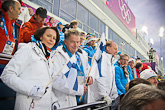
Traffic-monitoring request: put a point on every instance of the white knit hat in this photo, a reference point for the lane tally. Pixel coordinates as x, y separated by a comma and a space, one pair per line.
147, 73
131, 59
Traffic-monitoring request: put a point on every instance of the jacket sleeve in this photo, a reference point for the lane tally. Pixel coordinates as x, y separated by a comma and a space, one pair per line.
60, 82
101, 81
130, 73
14, 68
118, 76
114, 91
26, 32
101, 85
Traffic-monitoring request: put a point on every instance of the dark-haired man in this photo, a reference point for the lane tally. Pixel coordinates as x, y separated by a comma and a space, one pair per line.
36, 21
9, 28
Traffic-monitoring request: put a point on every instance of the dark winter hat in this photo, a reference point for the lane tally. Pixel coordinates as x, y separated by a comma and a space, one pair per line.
42, 12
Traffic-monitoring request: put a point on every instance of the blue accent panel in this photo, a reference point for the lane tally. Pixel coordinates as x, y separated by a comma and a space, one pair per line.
75, 85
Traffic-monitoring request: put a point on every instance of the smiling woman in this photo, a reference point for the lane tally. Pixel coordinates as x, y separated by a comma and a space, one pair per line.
48, 35
28, 72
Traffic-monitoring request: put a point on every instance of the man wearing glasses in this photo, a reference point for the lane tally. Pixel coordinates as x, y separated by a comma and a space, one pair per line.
123, 74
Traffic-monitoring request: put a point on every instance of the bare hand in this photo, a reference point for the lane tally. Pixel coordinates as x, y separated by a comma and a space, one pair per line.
90, 80
85, 89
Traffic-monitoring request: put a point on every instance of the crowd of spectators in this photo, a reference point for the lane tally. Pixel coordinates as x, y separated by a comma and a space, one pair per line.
50, 69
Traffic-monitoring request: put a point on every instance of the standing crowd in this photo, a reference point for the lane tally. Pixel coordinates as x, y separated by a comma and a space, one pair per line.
51, 64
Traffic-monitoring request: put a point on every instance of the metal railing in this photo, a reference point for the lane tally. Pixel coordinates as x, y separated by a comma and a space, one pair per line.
94, 106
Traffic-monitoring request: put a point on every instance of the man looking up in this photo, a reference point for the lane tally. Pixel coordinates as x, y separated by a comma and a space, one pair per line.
36, 21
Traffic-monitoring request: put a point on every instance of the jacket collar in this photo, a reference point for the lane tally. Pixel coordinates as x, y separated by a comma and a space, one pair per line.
111, 57
38, 51
32, 20
6, 16
62, 50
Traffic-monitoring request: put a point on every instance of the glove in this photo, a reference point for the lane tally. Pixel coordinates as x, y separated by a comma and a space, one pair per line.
55, 106
108, 100
37, 92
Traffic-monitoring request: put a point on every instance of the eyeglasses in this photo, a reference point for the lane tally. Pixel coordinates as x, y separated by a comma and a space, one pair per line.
125, 59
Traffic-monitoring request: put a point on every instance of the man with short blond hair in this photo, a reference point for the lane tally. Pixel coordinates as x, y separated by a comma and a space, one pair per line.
70, 49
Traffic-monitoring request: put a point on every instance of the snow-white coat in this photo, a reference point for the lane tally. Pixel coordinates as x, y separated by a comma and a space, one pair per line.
104, 86
67, 96
29, 68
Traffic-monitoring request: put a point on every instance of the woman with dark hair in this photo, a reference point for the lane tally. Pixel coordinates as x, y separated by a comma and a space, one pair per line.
30, 70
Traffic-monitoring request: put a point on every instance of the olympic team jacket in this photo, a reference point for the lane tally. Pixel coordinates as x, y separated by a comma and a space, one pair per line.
29, 68
3, 38
66, 95
121, 80
104, 86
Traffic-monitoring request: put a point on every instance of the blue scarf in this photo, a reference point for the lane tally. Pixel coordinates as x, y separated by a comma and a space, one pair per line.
79, 65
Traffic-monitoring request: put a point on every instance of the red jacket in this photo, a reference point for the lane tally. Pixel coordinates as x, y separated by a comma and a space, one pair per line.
48, 24
28, 29
137, 73
145, 66
3, 38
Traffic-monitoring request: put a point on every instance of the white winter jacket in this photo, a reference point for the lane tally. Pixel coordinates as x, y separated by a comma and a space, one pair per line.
29, 68
67, 96
104, 86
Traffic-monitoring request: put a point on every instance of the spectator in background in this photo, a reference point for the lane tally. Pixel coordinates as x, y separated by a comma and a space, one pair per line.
73, 24
138, 68
90, 47
51, 22
82, 39
8, 18
29, 71
36, 21
122, 74
145, 66
143, 97
24, 16
137, 81
150, 75
131, 63
30, 12
60, 26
